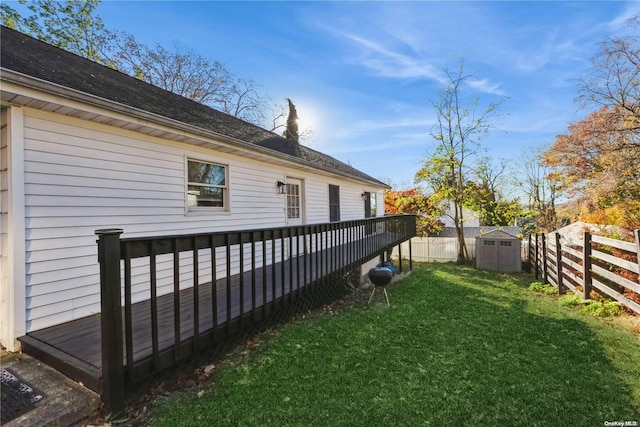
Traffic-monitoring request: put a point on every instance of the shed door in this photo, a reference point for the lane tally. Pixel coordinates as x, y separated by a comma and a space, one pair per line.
506, 256
490, 254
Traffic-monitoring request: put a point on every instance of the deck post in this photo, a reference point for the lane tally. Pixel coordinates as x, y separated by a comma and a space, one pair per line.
113, 385
410, 257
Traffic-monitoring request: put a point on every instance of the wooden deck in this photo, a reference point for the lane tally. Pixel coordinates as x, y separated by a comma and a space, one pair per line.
75, 347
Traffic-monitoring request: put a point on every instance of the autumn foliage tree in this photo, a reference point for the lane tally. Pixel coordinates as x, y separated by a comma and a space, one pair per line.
414, 201
597, 160
460, 124
596, 163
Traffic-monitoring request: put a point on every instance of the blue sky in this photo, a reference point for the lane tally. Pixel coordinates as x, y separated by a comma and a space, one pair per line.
363, 74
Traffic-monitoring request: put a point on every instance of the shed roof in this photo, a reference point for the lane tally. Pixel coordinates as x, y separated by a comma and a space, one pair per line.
25, 55
497, 234
470, 232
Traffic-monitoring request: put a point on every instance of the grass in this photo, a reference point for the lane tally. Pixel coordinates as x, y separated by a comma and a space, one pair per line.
457, 347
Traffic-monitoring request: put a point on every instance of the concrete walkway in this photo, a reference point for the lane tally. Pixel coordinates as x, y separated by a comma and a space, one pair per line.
67, 403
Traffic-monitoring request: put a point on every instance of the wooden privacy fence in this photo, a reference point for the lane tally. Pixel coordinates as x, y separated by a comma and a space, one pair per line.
608, 266
200, 289
434, 249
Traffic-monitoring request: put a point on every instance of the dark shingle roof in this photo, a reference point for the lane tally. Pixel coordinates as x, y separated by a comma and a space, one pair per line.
26, 55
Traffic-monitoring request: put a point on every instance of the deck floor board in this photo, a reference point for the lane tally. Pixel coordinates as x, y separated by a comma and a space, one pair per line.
81, 339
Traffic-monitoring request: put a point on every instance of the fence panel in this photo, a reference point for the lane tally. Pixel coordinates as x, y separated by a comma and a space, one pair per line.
608, 265
434, 249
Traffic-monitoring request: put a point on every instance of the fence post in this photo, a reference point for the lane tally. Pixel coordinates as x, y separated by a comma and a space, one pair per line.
113, 387
411, 256
561, 289
586, 265
637, 233
535, 263
544, 258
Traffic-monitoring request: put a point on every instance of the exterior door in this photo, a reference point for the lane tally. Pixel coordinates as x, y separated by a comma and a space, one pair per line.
295, 215
295, 201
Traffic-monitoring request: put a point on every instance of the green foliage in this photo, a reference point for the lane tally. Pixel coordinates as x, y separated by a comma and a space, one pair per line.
602, 308
542, 288
593, 307
571, 300
71, 25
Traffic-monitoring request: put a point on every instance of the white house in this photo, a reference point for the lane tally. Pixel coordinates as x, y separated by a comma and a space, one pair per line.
470, 218
84, 147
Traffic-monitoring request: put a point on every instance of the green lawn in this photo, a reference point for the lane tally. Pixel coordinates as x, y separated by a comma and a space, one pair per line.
457, 347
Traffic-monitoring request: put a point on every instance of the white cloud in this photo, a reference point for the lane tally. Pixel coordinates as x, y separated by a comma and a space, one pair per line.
386, 62
619, 23
484, 86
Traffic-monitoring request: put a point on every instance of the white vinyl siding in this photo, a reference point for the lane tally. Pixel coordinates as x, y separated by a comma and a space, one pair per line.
4, 222
82, 176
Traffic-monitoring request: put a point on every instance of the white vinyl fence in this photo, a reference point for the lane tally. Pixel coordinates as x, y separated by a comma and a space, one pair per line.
435, 249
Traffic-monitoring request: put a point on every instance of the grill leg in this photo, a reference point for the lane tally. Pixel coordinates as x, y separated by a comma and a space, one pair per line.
372, 294
386, 296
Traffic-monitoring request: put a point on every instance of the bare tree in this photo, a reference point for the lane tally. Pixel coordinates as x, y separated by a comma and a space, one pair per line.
459, 128
74, 26
183, 71
614, 83
542, 189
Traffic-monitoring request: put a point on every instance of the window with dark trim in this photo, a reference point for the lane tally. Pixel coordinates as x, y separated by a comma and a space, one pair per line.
206, 185
334, 203
374, 204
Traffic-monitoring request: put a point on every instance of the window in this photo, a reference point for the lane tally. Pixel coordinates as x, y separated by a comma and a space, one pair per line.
489, 242
207, 185
334, 203
505, 243
374, 204
293, 201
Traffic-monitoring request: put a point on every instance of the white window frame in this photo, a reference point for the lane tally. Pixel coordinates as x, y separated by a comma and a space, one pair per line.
225, 188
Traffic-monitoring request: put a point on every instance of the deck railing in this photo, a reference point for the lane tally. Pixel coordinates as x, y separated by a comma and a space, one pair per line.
165, 298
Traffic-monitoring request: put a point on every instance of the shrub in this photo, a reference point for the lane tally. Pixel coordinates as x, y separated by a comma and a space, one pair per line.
571, 300
541, 287
602, 308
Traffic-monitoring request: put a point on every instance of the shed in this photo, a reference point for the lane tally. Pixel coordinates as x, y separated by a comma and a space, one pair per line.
498, 251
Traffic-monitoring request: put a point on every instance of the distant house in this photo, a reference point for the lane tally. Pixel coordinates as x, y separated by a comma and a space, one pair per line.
470, 218
85, 147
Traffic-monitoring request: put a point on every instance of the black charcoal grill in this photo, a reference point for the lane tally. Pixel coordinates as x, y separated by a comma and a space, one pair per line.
380, 277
